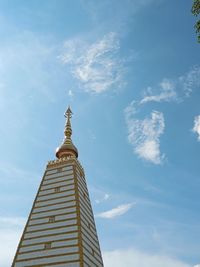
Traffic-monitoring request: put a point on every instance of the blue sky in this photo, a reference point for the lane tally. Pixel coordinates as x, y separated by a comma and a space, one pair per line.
130, 71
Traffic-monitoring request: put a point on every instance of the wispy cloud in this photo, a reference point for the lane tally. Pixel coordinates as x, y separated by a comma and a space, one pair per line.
70, 93
104, 198
166, 93
196, 128
96, 66
118, 211
136, 258
173, 89
99, 195
190, 80
144, 135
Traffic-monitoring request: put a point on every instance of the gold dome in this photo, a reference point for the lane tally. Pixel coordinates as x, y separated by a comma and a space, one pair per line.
66, 150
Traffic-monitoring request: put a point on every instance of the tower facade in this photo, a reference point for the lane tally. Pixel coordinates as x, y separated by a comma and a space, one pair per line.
60, 230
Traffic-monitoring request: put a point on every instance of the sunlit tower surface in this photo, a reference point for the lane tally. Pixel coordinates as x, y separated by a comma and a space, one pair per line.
60, 230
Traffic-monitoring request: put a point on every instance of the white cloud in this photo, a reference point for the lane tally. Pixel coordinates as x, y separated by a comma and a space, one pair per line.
196, 128
133, 257
190, 80
70, 93
167, 93
144, 135
96, 66
104, 198
98, 195
120, 210
173, 90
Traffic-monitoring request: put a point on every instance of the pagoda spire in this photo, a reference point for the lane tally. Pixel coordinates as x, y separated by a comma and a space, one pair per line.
67, 148
68, 128
61, 231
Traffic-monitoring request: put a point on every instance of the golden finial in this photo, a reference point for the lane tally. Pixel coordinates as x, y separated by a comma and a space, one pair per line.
68, 128
67, 148
68, 113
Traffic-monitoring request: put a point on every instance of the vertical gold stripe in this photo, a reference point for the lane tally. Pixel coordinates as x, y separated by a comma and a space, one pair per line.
78, 217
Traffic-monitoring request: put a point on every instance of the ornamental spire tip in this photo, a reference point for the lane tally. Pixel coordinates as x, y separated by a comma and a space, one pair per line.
67, 148
68, 113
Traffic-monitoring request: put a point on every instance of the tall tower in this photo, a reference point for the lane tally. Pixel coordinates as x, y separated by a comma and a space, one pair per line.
60, 231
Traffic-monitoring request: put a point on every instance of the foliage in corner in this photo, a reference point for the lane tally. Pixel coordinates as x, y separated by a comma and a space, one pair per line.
196, 12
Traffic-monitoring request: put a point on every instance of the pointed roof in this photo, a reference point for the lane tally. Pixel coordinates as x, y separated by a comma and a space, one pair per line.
67, 148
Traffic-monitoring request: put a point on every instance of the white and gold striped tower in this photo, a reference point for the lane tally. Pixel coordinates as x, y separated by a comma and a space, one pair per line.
60, 231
